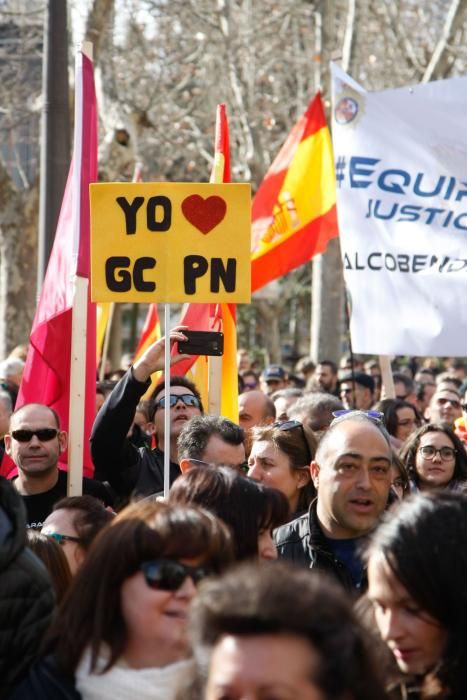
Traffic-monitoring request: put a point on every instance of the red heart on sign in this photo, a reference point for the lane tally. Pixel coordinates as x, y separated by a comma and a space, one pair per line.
204, 214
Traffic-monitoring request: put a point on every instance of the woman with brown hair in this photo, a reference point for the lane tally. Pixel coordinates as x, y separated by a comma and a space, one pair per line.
52, 556
250, 509
121, 631
435, 458
280, 457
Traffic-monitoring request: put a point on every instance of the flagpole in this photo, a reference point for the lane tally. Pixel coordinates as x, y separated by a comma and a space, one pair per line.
215, 363
105, 349
167, 402
79, 312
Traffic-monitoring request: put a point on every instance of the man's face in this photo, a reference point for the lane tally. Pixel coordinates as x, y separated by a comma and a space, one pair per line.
283, 404
279, 666
217, 451
179, 414
350, 391
251, 407
325, 377
445, 406
352, 478
400, 391
35, 457
269, 386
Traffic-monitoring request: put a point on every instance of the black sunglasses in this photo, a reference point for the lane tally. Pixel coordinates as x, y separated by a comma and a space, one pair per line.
42, 434
292, 425
168, 574
189, 400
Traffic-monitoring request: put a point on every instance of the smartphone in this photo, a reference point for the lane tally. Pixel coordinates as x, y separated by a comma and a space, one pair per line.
202, 343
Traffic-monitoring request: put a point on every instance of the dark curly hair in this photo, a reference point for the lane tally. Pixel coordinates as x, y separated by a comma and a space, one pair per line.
408, 452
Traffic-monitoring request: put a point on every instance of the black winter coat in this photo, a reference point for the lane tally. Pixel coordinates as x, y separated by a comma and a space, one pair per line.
46, 682
302, 541
26, 595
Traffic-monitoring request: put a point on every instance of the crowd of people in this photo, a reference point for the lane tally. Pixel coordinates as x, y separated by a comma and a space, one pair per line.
315, 550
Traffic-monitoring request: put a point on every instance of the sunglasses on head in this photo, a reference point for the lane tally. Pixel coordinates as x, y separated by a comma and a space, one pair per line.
189, 400
292, 425
42, 434
169, 575
375, 416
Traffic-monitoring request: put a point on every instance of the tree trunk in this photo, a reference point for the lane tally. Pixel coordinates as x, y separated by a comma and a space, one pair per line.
328, 284
18, 264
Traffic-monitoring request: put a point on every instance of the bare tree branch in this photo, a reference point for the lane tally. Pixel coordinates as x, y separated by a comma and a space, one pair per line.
439, 63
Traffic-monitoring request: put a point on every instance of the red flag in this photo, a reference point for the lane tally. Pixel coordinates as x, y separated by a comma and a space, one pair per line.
46, 376
294, 209
150, 333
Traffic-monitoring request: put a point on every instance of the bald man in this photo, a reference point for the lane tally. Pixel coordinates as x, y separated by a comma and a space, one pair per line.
255, 408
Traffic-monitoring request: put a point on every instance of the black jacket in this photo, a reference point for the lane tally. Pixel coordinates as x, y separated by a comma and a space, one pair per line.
46, 682
302, 541
127, 468
26, 596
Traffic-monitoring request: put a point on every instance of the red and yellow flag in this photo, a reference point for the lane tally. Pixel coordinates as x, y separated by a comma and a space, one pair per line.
219, 317
294, 210
150, 333
227, 312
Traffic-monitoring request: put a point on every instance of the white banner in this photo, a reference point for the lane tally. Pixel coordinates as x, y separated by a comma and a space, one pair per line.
401, 172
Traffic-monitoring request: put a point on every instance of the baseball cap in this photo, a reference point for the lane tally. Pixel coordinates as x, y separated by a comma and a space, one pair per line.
360, 378
273, 373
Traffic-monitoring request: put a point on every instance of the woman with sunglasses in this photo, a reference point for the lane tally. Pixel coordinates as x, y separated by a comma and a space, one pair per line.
417, 567
121, 632
435, 458
280, 457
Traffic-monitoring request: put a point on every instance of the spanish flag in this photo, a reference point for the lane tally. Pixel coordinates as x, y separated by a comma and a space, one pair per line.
294, 210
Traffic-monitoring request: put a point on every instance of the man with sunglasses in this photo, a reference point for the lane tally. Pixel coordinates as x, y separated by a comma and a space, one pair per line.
445, 407
34, 443
352, 476
140, 470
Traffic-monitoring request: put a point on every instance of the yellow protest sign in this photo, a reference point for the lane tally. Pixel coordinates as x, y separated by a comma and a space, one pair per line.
170, 242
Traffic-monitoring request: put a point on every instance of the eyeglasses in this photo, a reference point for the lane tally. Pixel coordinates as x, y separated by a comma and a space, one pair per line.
168, 574
189, 400
429, 452
243, 467
376, 416
58, 537
454, 403
42, 434
291, 425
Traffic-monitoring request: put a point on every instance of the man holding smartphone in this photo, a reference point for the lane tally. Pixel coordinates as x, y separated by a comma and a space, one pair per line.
127, 468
